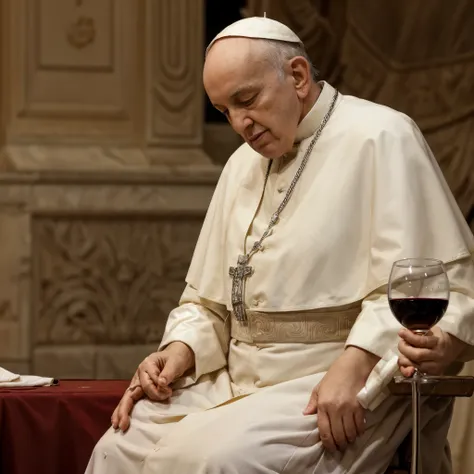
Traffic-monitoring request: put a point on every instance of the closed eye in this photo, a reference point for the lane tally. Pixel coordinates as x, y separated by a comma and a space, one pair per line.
239, 103
248, 102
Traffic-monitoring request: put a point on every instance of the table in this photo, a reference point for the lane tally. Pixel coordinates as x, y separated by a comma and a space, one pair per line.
53, 430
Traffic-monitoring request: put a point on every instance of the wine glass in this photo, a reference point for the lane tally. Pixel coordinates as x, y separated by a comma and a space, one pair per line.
418, 295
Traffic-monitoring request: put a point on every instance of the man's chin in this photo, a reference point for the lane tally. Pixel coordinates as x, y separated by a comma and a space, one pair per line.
267, 151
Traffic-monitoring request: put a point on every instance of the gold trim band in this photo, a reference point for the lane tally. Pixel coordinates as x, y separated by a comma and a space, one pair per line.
326, 325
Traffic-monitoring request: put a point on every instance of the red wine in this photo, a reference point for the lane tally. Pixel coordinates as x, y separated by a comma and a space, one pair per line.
418, 313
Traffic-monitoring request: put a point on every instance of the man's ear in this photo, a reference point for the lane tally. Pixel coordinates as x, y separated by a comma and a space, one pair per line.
301, 73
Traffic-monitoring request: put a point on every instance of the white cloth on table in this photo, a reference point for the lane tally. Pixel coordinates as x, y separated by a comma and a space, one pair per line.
12, 380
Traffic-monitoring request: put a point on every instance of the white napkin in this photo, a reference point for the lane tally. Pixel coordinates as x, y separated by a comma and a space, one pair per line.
9, 379
375, 390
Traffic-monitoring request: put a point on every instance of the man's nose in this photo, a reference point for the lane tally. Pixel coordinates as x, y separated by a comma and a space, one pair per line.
239, 120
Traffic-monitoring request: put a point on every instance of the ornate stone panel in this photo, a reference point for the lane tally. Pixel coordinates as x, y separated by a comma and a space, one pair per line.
73, 70
108, 280
174, 72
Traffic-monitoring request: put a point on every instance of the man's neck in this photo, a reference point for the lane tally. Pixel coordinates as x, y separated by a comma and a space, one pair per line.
310, 99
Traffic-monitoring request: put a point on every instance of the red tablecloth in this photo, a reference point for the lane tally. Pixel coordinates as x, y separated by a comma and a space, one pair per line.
52, 430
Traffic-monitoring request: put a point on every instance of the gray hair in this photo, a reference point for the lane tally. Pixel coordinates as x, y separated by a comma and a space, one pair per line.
281, 51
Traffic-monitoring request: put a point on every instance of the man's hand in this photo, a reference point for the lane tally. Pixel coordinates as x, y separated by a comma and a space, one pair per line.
431, 353
153, 378
340, 415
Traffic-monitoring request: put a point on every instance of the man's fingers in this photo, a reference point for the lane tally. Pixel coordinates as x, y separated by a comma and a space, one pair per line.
407, 367
155, 383
114, 418
171, 371
405, 362
350, 428
419, 341
152, 366
150, 389
125, 408
337, 430
415, 354
155, 393
133, 392
121, 415
431, 368
312, 406
359, 420
164, 394
136, 394
135, 379
325, 433
407, 371
154, 374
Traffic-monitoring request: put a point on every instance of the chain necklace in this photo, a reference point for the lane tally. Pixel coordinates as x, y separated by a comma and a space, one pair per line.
242, 270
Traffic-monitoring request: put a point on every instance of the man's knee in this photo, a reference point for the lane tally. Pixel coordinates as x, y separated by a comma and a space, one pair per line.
227, 458
118, 453
107, 444
99, 459
210, 455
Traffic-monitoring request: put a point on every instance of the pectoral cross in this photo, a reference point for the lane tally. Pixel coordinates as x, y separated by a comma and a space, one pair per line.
238, 274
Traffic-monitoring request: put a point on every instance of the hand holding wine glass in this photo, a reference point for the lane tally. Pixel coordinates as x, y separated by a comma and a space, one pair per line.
418, 293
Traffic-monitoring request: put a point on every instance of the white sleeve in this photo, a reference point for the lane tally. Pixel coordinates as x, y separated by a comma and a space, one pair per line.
203, 326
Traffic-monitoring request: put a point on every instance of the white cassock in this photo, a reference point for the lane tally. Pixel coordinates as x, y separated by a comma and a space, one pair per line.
370, 194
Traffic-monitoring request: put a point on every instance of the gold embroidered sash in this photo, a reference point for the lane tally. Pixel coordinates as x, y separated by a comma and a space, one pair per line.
325, 325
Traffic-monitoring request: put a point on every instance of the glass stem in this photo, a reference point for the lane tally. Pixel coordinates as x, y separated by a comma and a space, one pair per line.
415, 446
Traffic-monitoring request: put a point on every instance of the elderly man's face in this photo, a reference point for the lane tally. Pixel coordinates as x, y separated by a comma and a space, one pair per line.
261, 104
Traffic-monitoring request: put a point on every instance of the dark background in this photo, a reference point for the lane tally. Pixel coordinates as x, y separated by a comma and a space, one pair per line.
219, 14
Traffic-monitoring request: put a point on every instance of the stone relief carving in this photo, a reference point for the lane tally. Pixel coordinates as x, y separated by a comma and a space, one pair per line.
82, 32
175, 72
109, 281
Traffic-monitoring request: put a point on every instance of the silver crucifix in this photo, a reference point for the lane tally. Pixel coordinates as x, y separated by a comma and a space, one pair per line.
238, 274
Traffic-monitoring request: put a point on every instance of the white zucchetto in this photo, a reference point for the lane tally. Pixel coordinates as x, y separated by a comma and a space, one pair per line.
259, 28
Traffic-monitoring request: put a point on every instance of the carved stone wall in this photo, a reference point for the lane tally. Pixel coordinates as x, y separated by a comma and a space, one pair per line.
107, 280
91, 267
104, 179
